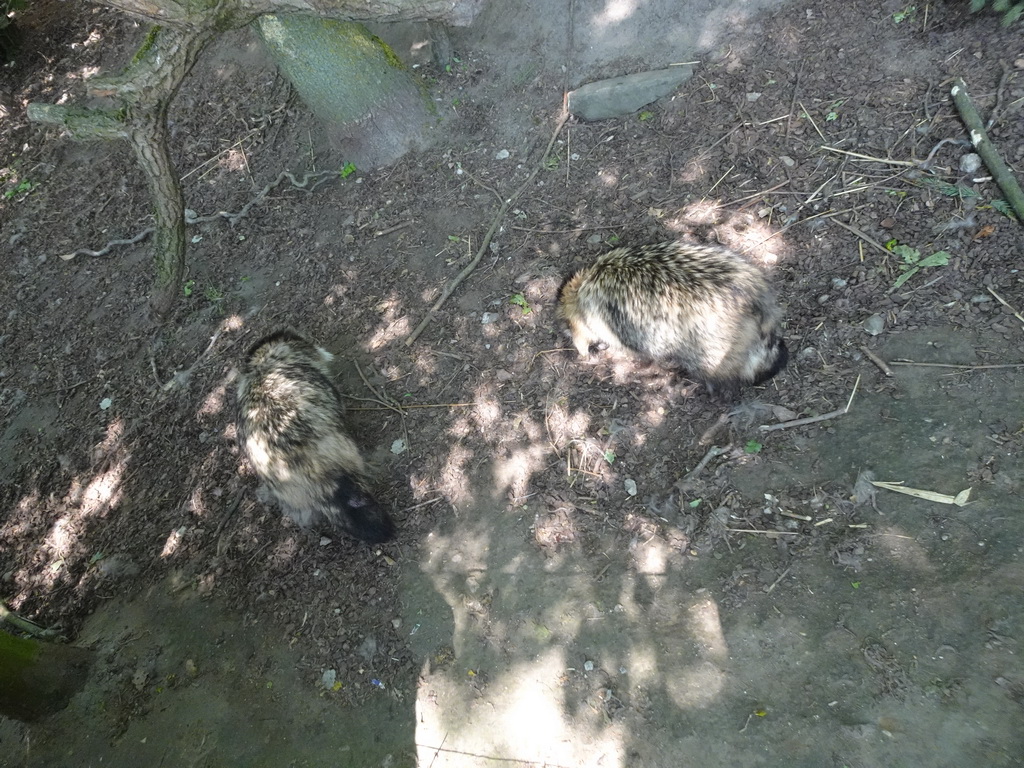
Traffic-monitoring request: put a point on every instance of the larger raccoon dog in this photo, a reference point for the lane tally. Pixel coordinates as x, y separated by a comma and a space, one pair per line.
291, 426
701, 308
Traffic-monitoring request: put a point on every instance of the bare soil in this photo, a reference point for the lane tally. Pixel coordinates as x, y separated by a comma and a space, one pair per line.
565, 588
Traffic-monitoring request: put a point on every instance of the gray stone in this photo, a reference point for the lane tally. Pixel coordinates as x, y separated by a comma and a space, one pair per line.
619, 96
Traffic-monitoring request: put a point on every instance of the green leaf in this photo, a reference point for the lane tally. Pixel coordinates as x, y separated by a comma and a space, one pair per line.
904, 277
347, 170
937, 259
753, 447
520, 301
855, 584
905, 252
609, 456
644, 116
1001, 205
695, 503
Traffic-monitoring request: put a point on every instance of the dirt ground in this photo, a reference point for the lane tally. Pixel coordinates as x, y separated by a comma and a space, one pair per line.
572, 585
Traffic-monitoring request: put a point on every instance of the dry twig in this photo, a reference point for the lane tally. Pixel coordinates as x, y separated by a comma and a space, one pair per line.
882, 365
490, 233
813, 419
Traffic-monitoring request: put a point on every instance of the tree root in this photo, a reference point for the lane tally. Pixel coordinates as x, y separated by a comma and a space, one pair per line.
233, 218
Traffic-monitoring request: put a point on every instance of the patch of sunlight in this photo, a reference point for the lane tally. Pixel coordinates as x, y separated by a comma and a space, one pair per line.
650, 558
393, 326
563, 425
233, 159
215, 402
95, 498
93, 38
642, 664
18, 522
695, 687
526, 724
453, 482
654, 416
608, 178
615, 11
694, 171
232, 323
451, 562
172, 542
514, 471
486, 408
904, 549
84, 73
706, 626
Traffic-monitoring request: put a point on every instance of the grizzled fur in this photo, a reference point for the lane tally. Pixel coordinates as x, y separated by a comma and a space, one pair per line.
290, 425
701, 308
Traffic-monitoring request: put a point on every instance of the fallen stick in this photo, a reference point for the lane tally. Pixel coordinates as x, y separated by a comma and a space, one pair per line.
490, 233
956, 365
1006, 304
960, 500
882, 365
813, 419
24, 625
712, 453
979, 138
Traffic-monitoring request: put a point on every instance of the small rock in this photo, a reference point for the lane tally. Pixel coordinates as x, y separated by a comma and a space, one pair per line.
824, 298
970, 162
328, 678
620, 96
874, 325
488, 318
981, 298
838, 282
630, 486
502, 154
887, 223
324, 541
753, 96
588, 666
787, 161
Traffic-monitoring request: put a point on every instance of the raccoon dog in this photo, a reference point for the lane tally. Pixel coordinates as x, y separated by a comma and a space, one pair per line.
701, 308
290, 425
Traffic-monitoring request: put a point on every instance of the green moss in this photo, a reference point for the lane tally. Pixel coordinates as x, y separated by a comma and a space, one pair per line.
389, 53
147, 44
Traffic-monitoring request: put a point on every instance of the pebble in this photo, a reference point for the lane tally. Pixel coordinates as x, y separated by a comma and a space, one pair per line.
874, 325
970, 162
329, 677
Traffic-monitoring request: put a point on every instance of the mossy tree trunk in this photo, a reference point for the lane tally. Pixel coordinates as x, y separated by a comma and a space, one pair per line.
37, 678
373, 109
143, 92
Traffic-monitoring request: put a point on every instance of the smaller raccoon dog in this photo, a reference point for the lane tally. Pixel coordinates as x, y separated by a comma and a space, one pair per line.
290, 425
701, 308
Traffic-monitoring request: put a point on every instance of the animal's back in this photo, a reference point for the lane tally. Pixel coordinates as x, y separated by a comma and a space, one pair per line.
703, 308
291, 426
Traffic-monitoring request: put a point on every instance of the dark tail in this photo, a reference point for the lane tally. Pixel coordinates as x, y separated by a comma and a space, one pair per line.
357, 512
